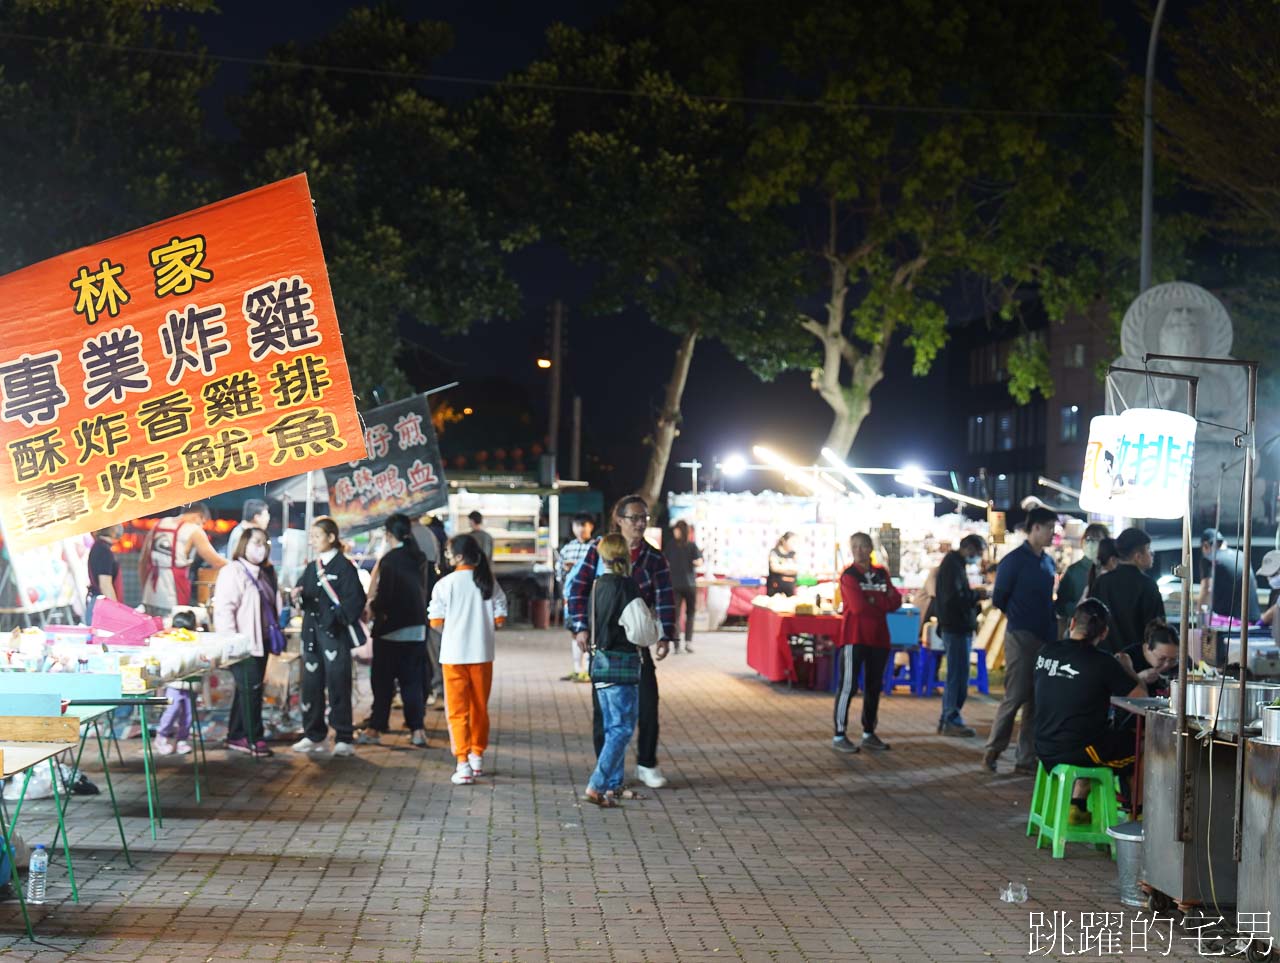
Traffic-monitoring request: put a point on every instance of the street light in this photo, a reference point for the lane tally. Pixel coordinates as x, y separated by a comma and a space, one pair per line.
780, 464
854, 478
735, 466
544, 363
917, 481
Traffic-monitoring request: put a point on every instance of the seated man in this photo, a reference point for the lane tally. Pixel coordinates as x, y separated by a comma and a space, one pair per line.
1074, 685
1154, 660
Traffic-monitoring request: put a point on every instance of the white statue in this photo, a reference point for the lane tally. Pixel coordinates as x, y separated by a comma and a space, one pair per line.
1184, 319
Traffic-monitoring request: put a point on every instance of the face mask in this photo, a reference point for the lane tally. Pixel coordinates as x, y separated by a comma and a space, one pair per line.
1275, 581
1091, 550
256, 553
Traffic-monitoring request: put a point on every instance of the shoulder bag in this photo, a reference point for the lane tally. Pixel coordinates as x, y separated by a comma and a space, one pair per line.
614, 667
355, 632
272, 636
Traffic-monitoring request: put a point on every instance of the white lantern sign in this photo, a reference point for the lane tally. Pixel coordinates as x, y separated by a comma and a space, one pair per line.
1138, 464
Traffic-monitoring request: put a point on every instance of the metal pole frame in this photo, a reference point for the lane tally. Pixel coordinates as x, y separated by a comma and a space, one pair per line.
1183, 796
1248, 439
1148, 151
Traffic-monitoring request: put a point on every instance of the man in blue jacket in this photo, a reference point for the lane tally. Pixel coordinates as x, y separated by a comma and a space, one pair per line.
1024, 592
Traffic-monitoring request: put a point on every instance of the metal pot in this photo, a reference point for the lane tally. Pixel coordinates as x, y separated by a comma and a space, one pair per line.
1219, 699
1270, 716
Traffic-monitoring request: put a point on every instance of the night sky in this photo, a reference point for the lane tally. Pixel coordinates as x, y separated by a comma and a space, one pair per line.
725, 408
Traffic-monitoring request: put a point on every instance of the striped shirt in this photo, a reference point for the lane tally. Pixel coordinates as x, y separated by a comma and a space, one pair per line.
572, 553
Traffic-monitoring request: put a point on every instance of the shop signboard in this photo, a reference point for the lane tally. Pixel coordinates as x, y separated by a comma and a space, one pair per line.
1138, 464
162, 366
402, 472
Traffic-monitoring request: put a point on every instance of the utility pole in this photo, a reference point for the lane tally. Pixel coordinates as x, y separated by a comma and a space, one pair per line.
557, 357
1148, 151
575, 441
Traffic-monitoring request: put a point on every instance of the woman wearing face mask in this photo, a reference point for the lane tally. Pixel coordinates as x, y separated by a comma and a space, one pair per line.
1077, 579
246, 601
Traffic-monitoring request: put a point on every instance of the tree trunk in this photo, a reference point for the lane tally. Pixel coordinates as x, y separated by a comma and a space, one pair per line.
664, 432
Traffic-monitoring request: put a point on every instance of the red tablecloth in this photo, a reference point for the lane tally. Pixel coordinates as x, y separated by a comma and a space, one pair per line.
740, 597
768, 651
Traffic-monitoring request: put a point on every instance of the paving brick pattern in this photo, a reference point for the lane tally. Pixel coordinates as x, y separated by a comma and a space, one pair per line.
766, 847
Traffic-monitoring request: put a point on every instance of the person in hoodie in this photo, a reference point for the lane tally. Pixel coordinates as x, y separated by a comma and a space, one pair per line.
868, 595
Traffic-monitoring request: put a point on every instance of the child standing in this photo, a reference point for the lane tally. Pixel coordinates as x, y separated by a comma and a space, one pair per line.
617, 691
466, 606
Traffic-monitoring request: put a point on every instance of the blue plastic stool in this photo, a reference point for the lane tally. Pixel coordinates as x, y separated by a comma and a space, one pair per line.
980, 682
893, 676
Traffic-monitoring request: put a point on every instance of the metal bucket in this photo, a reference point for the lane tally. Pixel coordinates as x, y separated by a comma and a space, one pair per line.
1219, 699
1270, 716
1128, 837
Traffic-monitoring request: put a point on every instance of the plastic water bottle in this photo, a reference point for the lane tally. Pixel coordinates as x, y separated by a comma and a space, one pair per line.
37, 874
1014, 893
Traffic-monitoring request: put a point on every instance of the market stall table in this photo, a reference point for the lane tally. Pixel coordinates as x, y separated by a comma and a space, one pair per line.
769, 634
21, 758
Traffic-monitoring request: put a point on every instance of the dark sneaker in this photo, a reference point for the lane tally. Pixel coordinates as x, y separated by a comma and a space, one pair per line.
959, 732
871, 741
989, 760
842, 744
239, 745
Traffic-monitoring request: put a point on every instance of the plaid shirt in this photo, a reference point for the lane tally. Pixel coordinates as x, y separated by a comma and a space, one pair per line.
573, 552
651, 575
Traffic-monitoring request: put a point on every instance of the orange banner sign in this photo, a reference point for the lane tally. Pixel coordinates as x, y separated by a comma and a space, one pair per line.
195, 356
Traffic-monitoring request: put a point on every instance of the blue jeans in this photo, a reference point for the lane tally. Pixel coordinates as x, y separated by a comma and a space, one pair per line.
619, 705
957, 646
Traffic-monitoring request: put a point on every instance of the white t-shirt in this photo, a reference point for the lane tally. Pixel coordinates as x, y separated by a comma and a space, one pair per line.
467, 636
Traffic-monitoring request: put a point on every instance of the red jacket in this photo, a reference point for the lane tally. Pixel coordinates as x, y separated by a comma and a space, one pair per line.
867, 597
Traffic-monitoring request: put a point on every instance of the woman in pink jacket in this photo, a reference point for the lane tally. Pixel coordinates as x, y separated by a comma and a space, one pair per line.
246, 601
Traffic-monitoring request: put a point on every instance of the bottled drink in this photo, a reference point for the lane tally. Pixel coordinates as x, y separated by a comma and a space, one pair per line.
37, 874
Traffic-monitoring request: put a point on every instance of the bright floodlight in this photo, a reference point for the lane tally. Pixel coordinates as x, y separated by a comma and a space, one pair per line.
921, 485
780, 464
912, 475
856, 480
734, 466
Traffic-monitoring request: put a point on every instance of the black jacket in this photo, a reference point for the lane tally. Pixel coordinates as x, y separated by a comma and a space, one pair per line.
321, 620
399, 601
955, 604
611, 595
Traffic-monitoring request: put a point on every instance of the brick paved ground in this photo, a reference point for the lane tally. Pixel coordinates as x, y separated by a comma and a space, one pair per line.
767, 846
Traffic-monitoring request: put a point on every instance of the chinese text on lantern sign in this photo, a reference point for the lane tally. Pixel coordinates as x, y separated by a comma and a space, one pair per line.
180, 360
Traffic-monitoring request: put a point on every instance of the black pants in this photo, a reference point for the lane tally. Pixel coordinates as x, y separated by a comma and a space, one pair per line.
432, 676
647, 724
326, 671
1114, 750
686, 598
248, 674
398, 662
872, 661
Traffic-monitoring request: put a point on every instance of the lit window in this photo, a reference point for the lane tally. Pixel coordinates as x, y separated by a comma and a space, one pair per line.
1070, 423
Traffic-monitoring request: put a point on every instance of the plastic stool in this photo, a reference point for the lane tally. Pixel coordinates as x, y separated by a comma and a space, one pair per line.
981, 681
1035, 813
1104, 809
908, 675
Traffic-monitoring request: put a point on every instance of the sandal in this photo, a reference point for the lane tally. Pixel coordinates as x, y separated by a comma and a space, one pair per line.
629, 794
605, 800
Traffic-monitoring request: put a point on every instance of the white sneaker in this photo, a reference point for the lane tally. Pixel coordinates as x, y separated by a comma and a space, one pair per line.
369, 737
651, 777
307, 745
431, 698
463, 776
418, 738
476, 763
183, 748
163, 746
343, 749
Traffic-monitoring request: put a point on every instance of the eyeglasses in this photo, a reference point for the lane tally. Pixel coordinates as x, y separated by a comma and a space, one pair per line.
635, 518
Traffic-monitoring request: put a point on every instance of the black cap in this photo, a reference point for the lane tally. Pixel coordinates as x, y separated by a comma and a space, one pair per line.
1211, 536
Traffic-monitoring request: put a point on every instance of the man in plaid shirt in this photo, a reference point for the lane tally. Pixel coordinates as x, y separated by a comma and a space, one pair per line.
653, 579
572, 553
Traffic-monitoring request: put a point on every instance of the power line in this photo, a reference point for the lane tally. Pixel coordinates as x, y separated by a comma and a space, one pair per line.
461, 81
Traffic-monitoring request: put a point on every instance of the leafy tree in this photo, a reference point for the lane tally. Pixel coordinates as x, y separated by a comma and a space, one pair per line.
637, 184
993, 159
98, 139
392, 173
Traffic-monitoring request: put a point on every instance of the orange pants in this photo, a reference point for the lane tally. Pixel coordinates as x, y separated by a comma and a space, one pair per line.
466, 704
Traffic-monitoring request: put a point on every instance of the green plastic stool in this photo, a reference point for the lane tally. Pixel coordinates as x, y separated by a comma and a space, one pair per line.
1104, 809
1035, 815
